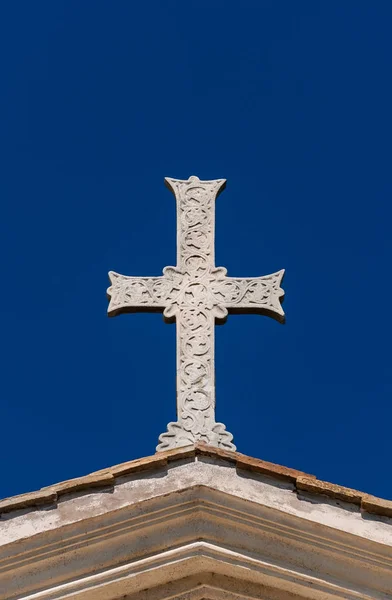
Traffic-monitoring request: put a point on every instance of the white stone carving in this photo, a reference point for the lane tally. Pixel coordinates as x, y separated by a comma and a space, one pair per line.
195, 294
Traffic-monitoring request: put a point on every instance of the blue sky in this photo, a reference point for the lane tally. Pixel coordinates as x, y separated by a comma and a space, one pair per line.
291, 103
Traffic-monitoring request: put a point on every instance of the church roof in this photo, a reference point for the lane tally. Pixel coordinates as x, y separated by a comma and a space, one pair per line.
195, 522
303, 482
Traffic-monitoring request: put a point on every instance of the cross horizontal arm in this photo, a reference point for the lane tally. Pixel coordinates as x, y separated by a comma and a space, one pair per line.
261, 295
135, 294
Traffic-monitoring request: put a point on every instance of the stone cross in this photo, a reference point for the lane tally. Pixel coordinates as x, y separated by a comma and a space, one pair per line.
196, 295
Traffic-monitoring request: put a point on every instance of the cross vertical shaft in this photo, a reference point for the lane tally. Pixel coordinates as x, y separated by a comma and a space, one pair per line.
195, 316
195, 294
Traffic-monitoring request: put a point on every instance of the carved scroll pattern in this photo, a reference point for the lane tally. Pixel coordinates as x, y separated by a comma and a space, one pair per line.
195, 311
144, 293
176, 289
195, 293
134, 292
255, 294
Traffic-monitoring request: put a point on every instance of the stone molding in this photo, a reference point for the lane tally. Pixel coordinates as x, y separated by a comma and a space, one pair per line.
211, 586
193, 532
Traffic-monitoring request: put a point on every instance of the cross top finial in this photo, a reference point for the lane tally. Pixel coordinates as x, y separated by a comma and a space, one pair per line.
195, 294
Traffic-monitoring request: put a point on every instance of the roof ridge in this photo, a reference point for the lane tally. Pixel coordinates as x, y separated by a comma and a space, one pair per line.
303, 482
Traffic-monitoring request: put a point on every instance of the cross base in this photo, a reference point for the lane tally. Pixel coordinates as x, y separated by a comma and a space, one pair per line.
179, 434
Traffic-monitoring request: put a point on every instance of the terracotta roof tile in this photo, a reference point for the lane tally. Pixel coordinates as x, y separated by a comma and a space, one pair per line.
47, 496
377, 506
107, 477
325, 488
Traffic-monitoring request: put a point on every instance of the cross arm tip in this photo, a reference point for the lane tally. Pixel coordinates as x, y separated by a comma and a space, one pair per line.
171, 183
113, 276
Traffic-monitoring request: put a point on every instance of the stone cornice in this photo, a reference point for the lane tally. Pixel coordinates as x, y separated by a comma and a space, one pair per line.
199, 530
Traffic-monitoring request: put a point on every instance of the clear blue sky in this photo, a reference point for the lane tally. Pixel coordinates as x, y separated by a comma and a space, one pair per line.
291, 102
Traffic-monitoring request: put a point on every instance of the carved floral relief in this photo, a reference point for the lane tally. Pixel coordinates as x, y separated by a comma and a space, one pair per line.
195, 293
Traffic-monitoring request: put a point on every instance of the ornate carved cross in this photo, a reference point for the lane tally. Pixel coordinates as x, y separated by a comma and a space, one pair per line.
196, 294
